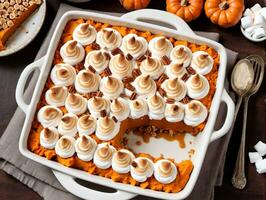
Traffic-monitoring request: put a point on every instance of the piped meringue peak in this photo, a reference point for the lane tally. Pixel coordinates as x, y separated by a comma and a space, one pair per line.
86, 125
87, 82
202, 62
76, 104
85, 147
63, 74
72, 52
120, 66
107, 128
68, 125
175, 70
152, 66
65, 146
120, 109
96, 59
109, 38
49, 116
85, 34
145, 86
56, 96
122, 160
174, 112
198, 86
195, 113
134, 45
156, 106
97, 104
141, 169
181, 55
111, 87
138, 108
160, 46
49, 137
175, 88
165, 171
103, 155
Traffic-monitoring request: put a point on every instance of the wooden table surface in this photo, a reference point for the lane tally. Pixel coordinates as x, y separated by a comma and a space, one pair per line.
231, 38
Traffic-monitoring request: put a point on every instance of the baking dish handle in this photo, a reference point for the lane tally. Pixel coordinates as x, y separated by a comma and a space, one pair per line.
75, 188
161, 16
228, 119
22, 83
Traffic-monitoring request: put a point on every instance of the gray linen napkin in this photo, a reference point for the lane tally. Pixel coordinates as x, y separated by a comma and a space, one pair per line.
42, 180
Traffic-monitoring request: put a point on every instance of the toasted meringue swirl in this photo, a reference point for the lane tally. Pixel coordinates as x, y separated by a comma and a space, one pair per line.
160, 46
107, 128
175, 89
138, 108
134, 45
97, 60
202, 62
145, 86
175, 70
56, 96
120, 109
122, 160
156, 106
85, 147
165, 171
87, 82
120, 66
86, 125
109, 38
68, 125
111, 87
152, 66
141, 169
195, 113
72, 52
198, 86
97, 104
181, 55
85, 34
65, 146
49, 137
174, 112
76, 104
49, 116
63, 74
103, 155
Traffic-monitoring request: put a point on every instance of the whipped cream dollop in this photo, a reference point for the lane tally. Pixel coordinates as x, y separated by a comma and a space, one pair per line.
109, 38
111, 87
49, 137
96, 59
195, 113
97, 104
120, 109
107, 128
174, 112
175, 70
198, 86
202, 62
145, 86
165, 171
63, 74
152, 66
65, 146
160, 46
56, 96
122, 160
138, 108
87, 82
49, 116
120, 66
103, 155
156, 106
134, 45
68, 125
85, 147
76, 104
175, 88
86, 125
181, 55
141, 169
85, 34
72, 52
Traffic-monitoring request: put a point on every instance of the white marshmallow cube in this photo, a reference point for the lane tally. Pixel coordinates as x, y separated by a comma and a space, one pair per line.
259, 20
246, 21
261, 166
260, 148
256, 8
259, 33
254, 157
250, 30
263, 12
247, 12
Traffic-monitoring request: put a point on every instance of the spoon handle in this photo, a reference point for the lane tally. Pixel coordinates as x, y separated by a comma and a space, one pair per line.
239, 178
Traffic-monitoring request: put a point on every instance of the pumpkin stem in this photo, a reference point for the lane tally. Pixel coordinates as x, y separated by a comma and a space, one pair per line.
184, 2
223, 5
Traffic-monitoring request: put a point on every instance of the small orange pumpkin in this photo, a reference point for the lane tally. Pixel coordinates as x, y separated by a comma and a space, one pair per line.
134, 4
186, 9
225, 13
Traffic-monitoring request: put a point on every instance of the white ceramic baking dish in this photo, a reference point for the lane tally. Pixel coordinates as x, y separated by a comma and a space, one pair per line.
67, 176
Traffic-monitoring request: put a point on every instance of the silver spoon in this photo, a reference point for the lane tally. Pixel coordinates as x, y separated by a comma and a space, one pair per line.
239, 179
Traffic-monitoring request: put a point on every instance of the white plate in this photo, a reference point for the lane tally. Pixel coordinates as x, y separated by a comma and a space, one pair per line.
26, 32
